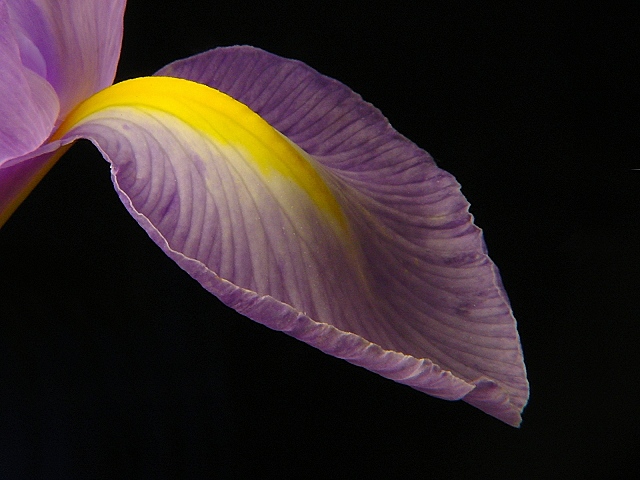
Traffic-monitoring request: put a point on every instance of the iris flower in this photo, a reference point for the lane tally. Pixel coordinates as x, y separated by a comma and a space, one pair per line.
278, 189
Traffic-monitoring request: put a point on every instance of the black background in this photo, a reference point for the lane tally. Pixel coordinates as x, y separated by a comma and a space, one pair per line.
116, 364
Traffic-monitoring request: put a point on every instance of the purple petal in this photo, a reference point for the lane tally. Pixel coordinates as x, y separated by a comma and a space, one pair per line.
75, 45
402, 286
440, 296
53, 55
29, 106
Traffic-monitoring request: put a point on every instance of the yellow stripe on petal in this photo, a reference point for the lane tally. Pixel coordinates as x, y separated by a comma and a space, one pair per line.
223, 119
